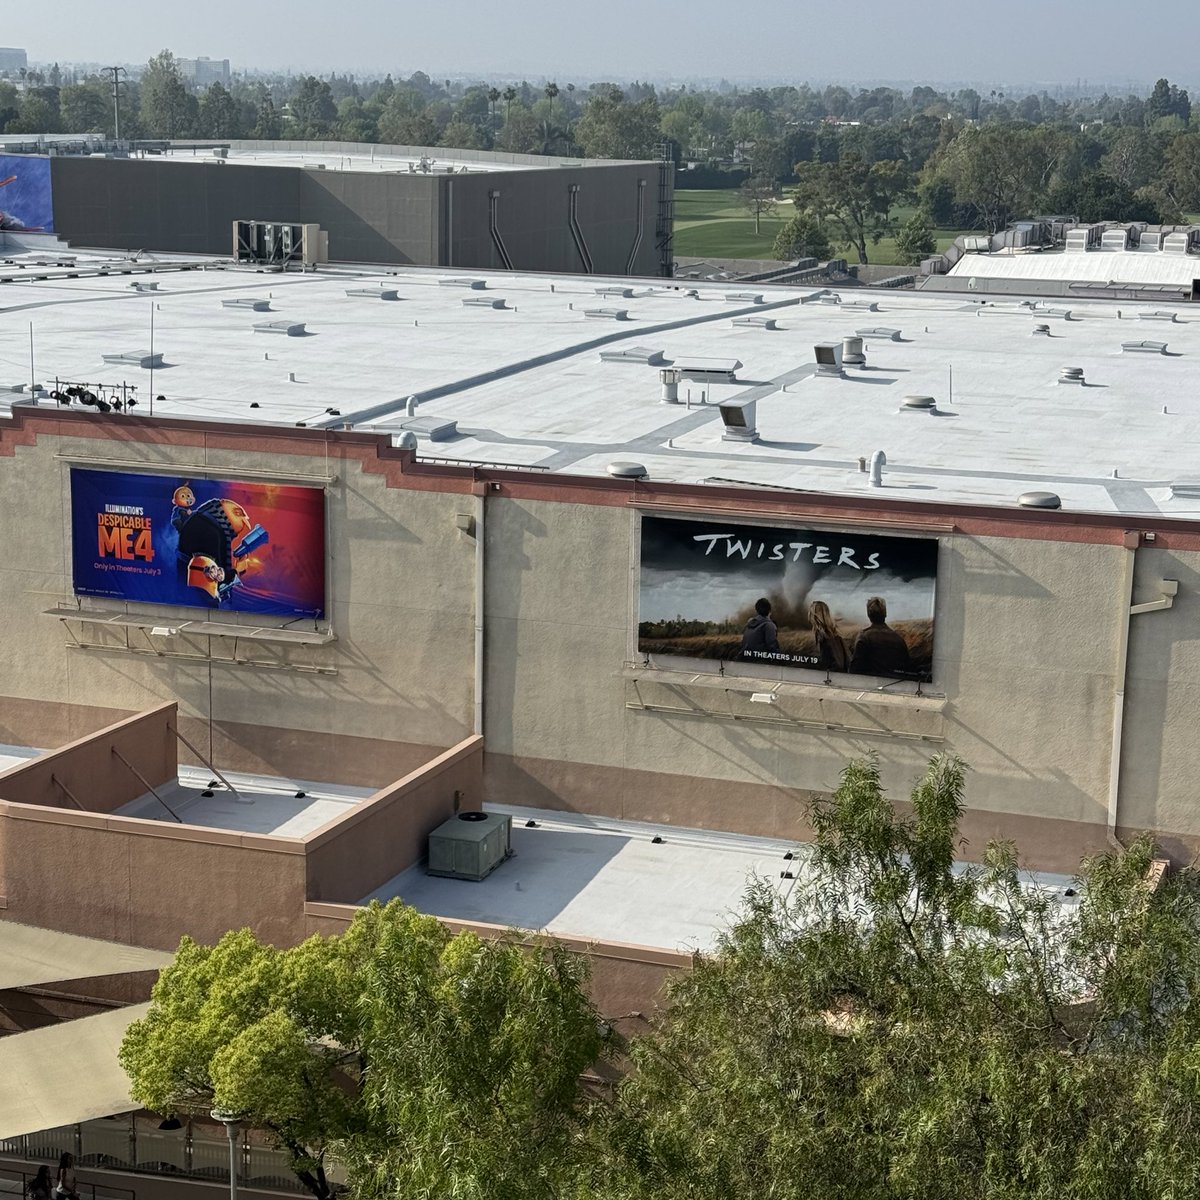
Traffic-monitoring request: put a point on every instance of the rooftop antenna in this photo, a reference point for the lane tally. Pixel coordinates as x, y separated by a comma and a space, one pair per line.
32, 376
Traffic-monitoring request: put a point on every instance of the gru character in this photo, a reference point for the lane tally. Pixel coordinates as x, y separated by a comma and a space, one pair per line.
216, 534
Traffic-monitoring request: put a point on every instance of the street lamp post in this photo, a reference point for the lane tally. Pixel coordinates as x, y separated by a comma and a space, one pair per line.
233, 1126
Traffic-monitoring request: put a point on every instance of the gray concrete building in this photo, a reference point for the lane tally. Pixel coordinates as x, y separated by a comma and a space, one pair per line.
202, 72
12, 60
397, 205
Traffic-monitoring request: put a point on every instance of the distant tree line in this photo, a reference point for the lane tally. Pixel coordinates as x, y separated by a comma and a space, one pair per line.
847, 157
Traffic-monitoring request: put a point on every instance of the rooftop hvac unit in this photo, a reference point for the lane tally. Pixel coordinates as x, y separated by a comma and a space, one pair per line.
470, 845
279, 243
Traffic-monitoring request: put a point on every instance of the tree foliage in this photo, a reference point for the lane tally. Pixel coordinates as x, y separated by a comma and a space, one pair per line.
434, 1064
899, 1029
915, 240
166, 108
759, 198
802, 237
854, 196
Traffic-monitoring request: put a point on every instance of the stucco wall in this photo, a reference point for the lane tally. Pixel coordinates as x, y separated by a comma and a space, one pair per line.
1028, 615
90, 770
387, 833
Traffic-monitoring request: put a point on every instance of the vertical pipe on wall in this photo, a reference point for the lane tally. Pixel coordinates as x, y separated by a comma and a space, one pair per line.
480, 507
1118, 716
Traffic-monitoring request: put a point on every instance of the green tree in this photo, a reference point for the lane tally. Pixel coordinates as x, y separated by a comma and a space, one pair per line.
312, 109
85, 108
38, 113
915, 239
219, 115
759, 199
854, 196
612, 127
165, 107
900, 1029
802, 237
436, 1064
268, 125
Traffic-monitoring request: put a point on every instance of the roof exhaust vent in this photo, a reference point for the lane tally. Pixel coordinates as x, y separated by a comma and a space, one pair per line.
918, 404
1039, 500
852, 352
1185, 489
669, 378
878, 462
624, 469
738, 418
408, 441
829, 359
1143, 347
484, 302
1041, 331
1071, 375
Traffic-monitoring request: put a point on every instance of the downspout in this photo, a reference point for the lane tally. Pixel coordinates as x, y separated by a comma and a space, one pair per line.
480, 539
1170, 588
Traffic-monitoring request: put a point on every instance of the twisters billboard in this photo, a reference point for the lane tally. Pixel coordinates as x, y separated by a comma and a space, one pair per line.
842, 602
216, 543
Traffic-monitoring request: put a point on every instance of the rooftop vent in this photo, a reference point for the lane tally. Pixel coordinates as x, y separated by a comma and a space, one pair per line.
1175, 243
380, 293
708, 370
407, 441
1143, 347
615, 292
1039, 500
830, 298
1071, 375
1159, 314
743, 297
879, 332
1041, 331
436, 429
1063, 314
287, 328
1186, 489
134, 358
1078, 241
752, 322
470, 845
829, 358
1114, 239
254, 303
852, 352
145, 285
669, 378
738, 418
918, 404
604, 314
861, 305
463, 281
484, 302
633, 354
626, 469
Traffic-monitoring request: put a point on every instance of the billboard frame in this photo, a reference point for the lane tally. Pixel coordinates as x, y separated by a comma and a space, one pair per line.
794, 675
178, 617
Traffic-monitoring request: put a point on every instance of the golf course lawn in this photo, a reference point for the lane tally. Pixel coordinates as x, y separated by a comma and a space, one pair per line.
713, 224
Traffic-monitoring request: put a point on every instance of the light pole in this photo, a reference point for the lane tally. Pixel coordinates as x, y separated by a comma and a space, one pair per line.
233, 1126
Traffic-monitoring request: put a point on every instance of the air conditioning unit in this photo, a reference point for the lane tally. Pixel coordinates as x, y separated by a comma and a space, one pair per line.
470, 845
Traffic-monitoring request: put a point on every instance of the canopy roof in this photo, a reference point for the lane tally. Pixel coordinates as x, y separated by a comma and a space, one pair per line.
30, 956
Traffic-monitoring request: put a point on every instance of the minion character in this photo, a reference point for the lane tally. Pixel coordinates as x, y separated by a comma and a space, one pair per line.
207, 575
217, 532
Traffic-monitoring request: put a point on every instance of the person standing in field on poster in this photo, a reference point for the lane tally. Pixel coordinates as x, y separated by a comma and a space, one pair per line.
831, 649
761, 635
880, 650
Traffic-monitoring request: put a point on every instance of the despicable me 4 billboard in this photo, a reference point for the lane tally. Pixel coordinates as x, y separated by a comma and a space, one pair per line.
853, 603
209, 543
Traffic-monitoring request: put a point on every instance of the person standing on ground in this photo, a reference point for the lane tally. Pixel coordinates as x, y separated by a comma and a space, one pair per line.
65, 1187
41, 1186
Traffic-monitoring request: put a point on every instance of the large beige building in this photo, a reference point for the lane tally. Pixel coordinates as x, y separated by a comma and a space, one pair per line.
545, 510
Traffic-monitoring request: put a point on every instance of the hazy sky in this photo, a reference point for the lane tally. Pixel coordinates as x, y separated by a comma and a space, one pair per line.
796, 40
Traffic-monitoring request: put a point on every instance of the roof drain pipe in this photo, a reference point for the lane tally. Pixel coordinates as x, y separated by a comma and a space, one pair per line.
631, 261
494, 229
1170, 588
585, 255
480, 541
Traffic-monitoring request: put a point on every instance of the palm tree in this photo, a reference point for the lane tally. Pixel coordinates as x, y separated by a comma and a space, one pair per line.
551, 91
493, 99
510, 94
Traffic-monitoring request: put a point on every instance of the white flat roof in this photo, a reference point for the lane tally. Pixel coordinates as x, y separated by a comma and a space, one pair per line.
526, 385
267, 805
605, 879
1095, 266
433, 162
